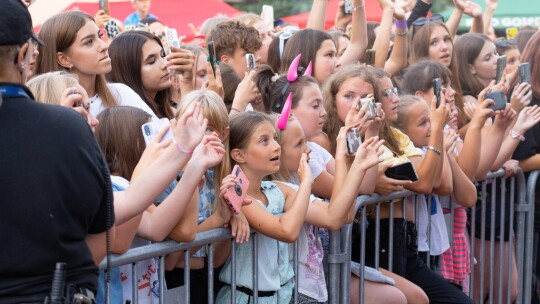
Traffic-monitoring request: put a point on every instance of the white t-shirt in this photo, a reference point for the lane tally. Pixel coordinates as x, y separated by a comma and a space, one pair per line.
124, 95
318, 159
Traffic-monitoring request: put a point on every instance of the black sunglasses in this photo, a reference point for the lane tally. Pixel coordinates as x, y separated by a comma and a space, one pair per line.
422, 21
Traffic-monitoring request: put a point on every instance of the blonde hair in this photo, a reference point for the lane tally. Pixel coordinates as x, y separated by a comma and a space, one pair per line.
249, 19
283, 174
48, 87
406, 103
218, 118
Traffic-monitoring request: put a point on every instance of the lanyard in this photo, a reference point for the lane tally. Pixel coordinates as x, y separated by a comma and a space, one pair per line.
12, 90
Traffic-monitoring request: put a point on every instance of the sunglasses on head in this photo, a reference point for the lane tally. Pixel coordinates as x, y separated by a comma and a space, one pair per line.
422, 21
283, 37
505, 43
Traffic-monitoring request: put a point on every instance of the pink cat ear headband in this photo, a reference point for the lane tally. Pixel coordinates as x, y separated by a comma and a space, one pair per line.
292, 75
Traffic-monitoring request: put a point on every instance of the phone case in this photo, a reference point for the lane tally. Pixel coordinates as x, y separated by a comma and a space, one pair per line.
524, 72
372, 107
437, 86
353, 141
347, 7
404, 171
499, 98
150, 129
234, 197
250, 60
212, 56
501, 65
104, 5
268, 14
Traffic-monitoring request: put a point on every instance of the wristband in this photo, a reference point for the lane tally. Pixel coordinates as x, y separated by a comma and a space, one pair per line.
400, 25
434, 149
515, 134
182, 149
356, 7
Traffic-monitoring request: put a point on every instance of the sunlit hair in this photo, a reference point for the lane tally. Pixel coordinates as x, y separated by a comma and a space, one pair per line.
59, 33
249, 19
120, 138
49, 87
198, 51
333, 124
215, 112
406, 103
468, 48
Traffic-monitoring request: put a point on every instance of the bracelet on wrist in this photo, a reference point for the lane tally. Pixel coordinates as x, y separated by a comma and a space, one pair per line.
402, 33
356, 7
516, 135
182, 149
400, 25
434, 149
233, 109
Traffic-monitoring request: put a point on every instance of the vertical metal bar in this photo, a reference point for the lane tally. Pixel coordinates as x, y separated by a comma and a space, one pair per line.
333, 268
529, 255
362, 253
520, 243
134, 286
233, 271
501, 243
391, 238
187, 283
510, 241
345, 269
482, 240
210, 255
256, 268
492, 238
161, 277
296, 271
472, 240
377, 234
428, 255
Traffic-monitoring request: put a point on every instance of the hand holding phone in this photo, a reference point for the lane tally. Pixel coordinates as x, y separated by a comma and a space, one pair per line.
371, 108
501, 65
524, 72
212, 56
104, 5
404, 171
353, 141
234, 196
437, 87
151, 129
347, 7
499, 98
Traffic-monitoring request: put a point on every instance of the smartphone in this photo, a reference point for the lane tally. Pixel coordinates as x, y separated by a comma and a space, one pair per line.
524, 72
404, 171
501, 65
500, 100
112, 29
437, 87
369, 57
150, 129
268, 15
347, 7
511, 32
172, 37
212, 55
250, 60
371, 108
353, 141
130, 27
234, 197
104, 5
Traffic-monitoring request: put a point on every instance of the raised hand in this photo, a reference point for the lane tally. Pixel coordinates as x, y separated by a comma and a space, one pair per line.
181, 61
491, 4
304, 172
190, 128
482, 112
521, 97
214, 82
504, 118
472, 9
341, 143
209, 152
369, 153
342, 20
450, 140
386, 185
245, 92
240, 228
357, 117
439, 115
527, 118
153, 150
101, 18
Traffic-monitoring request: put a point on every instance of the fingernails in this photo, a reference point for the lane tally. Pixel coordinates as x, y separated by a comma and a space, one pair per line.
207, 58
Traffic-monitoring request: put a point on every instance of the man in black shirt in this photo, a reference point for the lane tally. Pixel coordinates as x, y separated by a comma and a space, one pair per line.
55, 193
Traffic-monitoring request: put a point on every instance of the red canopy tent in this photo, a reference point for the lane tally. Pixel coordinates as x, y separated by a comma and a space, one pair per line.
373, 13
173, 13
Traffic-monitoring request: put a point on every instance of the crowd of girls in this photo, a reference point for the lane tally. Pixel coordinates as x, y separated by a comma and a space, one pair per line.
285, 126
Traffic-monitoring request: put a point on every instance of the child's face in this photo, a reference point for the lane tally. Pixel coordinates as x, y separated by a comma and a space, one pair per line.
485, 65
349, 95
262, 154
389, 100
512, 61
440, 46
418, 125
310, 110
200, 74
293, 144
154, 74
325, 61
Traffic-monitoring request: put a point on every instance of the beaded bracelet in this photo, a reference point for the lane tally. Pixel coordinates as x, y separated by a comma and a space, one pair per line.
183, 150
434, 149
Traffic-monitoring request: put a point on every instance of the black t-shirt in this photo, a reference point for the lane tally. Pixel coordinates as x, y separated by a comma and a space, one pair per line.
526, 149
54, 190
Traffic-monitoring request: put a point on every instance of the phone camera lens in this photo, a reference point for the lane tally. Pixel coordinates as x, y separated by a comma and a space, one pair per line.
147, 130
238, 189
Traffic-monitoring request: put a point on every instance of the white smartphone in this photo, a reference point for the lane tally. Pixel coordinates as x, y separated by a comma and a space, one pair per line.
150, 129
268, 15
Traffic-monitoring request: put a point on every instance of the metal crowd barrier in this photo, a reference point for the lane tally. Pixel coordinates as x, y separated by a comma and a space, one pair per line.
521, 204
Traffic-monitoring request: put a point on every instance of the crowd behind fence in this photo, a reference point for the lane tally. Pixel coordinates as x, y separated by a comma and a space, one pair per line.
520, 204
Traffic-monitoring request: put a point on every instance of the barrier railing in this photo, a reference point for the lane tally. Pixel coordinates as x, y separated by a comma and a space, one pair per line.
339, 256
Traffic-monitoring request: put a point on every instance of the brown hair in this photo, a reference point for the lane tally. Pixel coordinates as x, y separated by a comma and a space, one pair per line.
8, 55
333, 124
59, 33
198, 51
418, 41
231, 35
406, 102
371, 26
120, 138
419, 77
230, 82
532, 56
126, 69
242, 126
468, 48
523, 37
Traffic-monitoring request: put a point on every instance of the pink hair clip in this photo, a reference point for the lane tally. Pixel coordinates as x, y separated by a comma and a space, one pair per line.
308, 69
285, 113
292, 74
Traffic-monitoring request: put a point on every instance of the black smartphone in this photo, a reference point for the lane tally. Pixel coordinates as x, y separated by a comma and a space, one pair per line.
104, 5
501, 65
348, 7
212, 55
437, 87
524, 72
404, 171
369, 57
353, 141
499, 98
